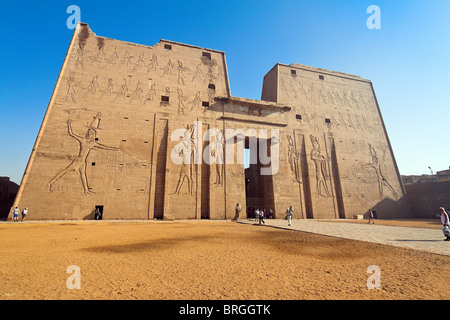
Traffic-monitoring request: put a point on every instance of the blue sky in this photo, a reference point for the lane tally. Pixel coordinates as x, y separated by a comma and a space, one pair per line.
408, 59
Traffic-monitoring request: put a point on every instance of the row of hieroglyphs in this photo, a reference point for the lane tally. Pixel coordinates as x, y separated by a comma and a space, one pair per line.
162, 66
133, 92
352, 122
337, 97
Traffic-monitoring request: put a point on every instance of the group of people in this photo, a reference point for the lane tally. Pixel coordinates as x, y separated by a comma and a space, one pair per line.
261, 214
16, 211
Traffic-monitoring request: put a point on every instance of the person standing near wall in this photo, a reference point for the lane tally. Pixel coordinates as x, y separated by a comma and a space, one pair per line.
445, 223
238, 211
15, 212
24, 214
289, 213
371, 216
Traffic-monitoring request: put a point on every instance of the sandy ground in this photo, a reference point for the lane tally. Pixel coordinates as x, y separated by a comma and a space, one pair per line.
206, 260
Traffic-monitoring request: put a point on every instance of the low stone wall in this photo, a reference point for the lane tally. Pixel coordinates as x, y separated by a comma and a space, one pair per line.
426, 198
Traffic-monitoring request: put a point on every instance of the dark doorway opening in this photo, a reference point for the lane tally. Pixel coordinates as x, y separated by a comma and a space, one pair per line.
205, 183
258, 188
98, 213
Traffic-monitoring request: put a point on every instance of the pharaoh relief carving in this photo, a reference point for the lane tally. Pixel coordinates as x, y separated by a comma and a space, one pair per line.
168, 68
136, 95
92, 88
214, 71
108, 91
126, 59
153, 64
181, 99
86, 143
112, 60
321, 168
139, 64
181, 69
196, 103
185, 150
79, 62
122, 91
293, 159
71, 90
100, 56
217, 148
383, 183
151, 93
198, 73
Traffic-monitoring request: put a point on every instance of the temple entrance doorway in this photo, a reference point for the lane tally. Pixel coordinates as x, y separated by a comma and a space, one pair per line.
259, 192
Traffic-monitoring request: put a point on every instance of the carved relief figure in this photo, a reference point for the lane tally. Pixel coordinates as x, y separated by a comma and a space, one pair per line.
167, 70
186, 170
293, 157
210, 73
123, 90
197, 101
320, 163
112, 58
211, 95
86, 144
303, 91
136, 95
100, 54
153, 64
382, 182
198, 74
217, 153
150, 94
139, 63
126, 59
70, 95
93, 86
181, 69
80, 56
181, 99
354, 100
109, 88
321, 96
95, 123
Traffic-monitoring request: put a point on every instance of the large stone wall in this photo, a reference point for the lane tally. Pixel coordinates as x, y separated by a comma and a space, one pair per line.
115, 125
340, 159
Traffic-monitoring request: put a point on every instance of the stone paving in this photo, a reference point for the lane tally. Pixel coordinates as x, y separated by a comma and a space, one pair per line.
423, 239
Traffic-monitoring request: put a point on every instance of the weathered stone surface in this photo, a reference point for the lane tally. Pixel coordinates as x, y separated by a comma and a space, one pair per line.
114, 129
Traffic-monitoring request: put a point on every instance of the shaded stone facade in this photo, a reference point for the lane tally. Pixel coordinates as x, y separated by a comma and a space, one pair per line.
8, 191
122, 114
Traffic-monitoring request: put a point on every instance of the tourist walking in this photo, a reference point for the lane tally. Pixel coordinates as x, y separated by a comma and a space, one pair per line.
445, 223
371, 217
261, 216
24, 213
289, 213
15, 212
238, 211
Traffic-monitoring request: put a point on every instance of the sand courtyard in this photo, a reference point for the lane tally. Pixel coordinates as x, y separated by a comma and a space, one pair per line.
212, 260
